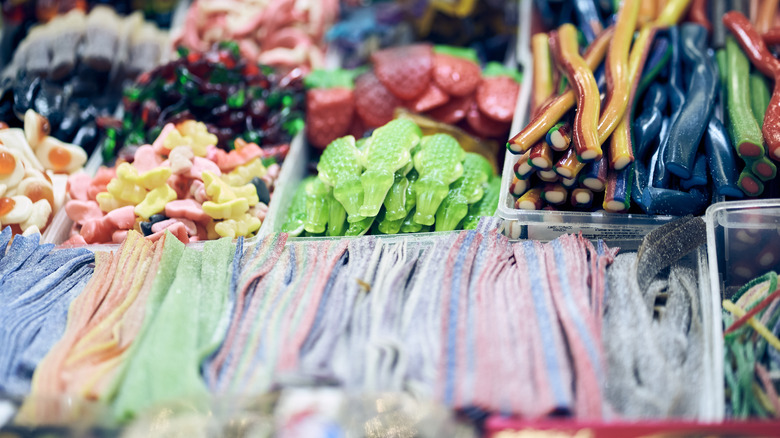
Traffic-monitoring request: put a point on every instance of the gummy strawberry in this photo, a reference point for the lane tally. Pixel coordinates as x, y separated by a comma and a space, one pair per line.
329, 114
454, 75
483, 125
374, 103
431, 98
453, 111
406, 71
496, 97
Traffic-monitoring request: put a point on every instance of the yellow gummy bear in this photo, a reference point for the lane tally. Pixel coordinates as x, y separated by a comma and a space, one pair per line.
242, 175
155, 201
244, 226
126, 191
108, 202
220, 191
216, 189
226, 210
192, 134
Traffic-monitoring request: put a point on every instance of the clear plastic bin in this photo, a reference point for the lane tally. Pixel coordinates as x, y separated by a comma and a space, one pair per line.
743, 242
627, 229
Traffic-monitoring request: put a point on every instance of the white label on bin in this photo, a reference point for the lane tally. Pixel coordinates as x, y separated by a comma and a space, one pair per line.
551, 232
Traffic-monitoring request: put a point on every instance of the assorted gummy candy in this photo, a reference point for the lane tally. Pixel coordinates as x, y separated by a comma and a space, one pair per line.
396, 180
234, 97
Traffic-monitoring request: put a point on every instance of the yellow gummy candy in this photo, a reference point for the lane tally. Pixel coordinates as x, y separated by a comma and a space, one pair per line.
211, 230
242, 175
247, 192
154, 178
108, 202
216, 189
192, 134
226, 210
155, 201
244, 226
126, 191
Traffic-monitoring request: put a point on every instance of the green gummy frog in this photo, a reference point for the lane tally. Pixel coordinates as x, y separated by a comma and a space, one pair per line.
484, 207
439, 164
468, 189
296, 214
317, 208
386, 152
340, 167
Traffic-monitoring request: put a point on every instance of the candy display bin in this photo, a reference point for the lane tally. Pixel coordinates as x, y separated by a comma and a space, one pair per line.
625, 230
293, 167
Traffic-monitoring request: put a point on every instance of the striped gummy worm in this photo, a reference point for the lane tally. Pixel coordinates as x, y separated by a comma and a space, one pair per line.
554, 376
568, 275
336, 310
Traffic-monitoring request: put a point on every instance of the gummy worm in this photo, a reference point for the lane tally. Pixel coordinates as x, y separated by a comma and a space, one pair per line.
749, 183
590, 24
744, 128
618, 85
518, 186
720, 159
617, 196
581, 198
757, 326
671, 13
767, 9
594, 176
772, 36
689, 126
554, 193
523, 168
699, 15
585, 136
543, 70
531, 200
757, 308
759, 55
569, 165
548, 116
548, 176
559, 136
541, 156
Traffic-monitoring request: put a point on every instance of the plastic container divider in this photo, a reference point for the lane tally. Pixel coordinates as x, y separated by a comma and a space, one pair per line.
626, 229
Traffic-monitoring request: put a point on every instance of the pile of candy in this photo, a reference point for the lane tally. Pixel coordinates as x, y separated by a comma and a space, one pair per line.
396, 180
72, 69
678, 151
233, 96
32, 184
282, 33
181, 183
445, 83
751, 323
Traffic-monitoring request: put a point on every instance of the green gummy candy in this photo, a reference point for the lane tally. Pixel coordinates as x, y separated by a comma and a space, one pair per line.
165, 366
458, 52
484, 207
360, 228
493, 69
439, 163
317, 208
296, 214
395, 202
409, 225
340, 166
759, 97
217, 257
339, 78
468, 189
387, 151
337, 217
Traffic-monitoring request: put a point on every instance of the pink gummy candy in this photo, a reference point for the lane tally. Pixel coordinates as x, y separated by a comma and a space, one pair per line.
177, 229
97, 231
146, 159
188, 209
200, 164
119, 236
160, 141
81, 212
78, 184
122, 218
